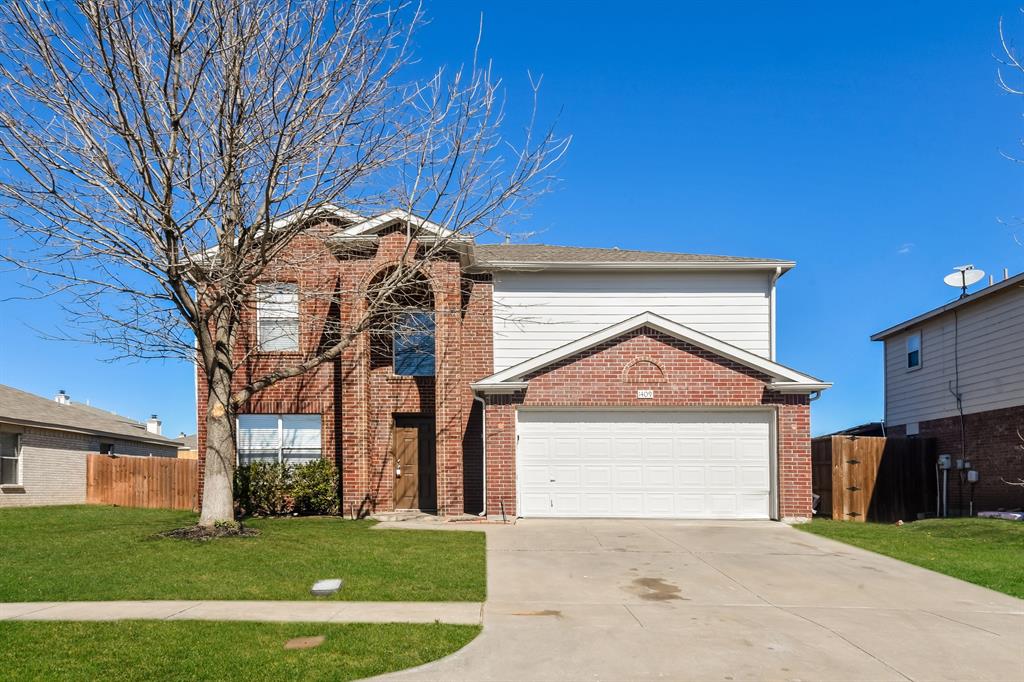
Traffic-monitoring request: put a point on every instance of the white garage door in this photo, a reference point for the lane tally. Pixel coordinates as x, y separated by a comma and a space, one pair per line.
701, 465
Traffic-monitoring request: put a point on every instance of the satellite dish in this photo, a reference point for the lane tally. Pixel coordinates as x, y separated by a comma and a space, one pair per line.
963, 277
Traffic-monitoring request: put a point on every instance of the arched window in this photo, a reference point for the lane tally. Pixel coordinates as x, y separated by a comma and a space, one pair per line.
403, 331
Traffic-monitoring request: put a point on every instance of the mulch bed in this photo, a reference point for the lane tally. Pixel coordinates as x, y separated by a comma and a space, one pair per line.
204, 533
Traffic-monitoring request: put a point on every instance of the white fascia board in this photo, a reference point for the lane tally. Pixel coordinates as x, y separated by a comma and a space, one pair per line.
655, 321
799, 387
396, 215
784, 266
499, 388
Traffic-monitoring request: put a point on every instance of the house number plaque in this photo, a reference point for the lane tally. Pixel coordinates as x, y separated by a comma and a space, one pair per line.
645, 393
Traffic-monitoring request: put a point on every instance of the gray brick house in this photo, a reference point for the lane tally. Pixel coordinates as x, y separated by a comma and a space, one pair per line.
44, 443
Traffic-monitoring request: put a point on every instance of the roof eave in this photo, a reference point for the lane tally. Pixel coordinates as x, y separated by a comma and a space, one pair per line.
492, 266
794, 387
942, 310
499, 388
92, 432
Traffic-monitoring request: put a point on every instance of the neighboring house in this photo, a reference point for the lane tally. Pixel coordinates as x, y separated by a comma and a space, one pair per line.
44, 443
956, 374
189, 448
537, 381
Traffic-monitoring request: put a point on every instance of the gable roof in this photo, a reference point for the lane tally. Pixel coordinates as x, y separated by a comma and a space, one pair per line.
372, 225
784, 379
28, 409
532, 256
1016, 280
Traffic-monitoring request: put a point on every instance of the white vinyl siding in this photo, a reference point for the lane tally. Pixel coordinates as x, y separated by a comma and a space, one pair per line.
535, 312
644, 464
288, 438
991, 347
277, 316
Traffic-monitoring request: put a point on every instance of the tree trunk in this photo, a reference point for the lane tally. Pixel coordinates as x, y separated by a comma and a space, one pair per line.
218, 474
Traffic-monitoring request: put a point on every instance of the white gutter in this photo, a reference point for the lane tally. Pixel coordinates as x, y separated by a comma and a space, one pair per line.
484, 266
771, 311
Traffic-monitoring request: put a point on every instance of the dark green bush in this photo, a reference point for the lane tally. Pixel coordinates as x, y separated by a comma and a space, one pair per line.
263, 488
315, 487
271, 489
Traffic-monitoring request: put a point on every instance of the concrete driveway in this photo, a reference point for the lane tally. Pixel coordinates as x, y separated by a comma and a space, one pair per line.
645, 600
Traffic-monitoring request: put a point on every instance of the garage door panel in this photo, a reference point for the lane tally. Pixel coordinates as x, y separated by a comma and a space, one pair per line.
597, 448
628, 477
690, 477
658, 477
720, 477
721, 449
690, 449
597, 476
597, 504
635, 463
627, 504
655, 447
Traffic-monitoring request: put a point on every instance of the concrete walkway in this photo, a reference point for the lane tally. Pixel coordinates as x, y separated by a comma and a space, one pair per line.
670, 600
468, 613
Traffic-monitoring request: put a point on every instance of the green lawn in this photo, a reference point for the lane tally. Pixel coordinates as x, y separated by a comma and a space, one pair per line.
105, 553
986, 552
197, 650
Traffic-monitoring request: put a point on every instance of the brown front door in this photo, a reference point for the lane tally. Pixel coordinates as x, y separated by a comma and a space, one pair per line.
407, 460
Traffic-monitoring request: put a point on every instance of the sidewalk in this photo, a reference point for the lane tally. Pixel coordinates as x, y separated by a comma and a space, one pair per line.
463, 613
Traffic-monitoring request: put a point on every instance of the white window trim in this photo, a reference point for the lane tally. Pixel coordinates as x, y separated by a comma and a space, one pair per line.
280, 435
920, 352
260, 317
19, 468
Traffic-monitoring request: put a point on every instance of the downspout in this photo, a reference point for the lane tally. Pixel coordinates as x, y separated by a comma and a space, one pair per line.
483, 448
771, 312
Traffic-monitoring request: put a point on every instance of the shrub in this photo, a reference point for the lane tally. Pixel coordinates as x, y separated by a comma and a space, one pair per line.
315, 487
263, 488
270, 488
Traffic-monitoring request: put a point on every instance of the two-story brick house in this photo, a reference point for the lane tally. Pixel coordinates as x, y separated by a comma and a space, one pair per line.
536, 381
956, 374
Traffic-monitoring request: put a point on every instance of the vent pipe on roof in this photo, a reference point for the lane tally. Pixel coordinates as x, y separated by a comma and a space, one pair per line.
62, 397
1006, 274
153, 425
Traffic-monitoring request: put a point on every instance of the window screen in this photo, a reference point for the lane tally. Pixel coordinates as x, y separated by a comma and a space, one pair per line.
277, 313
10, 459
290, 438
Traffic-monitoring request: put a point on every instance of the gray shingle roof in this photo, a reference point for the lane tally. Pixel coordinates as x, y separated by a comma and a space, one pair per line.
26, 408
498, 254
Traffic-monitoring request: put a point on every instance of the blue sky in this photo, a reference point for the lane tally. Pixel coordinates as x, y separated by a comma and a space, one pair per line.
863, 143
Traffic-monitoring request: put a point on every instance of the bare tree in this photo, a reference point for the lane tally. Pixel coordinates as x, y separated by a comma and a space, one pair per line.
160, 157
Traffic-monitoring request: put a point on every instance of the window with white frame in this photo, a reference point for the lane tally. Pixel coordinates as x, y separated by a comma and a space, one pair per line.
277, 316
914, 350
287, 438
10, 459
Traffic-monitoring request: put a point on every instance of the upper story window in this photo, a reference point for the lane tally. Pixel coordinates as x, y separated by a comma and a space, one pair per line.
413, 344
914, 351
10, 459
277, 316
287, 438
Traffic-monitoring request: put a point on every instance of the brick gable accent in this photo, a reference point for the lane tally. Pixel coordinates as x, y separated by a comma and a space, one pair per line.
692, 378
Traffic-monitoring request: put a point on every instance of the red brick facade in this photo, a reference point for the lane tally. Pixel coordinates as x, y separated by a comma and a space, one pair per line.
686, 376
993, 446
359, 403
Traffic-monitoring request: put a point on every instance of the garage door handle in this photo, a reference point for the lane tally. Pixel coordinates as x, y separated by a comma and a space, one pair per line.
551, 480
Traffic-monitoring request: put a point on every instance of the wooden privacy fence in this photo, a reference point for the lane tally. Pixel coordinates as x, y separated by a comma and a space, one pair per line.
153, 482
873, 478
